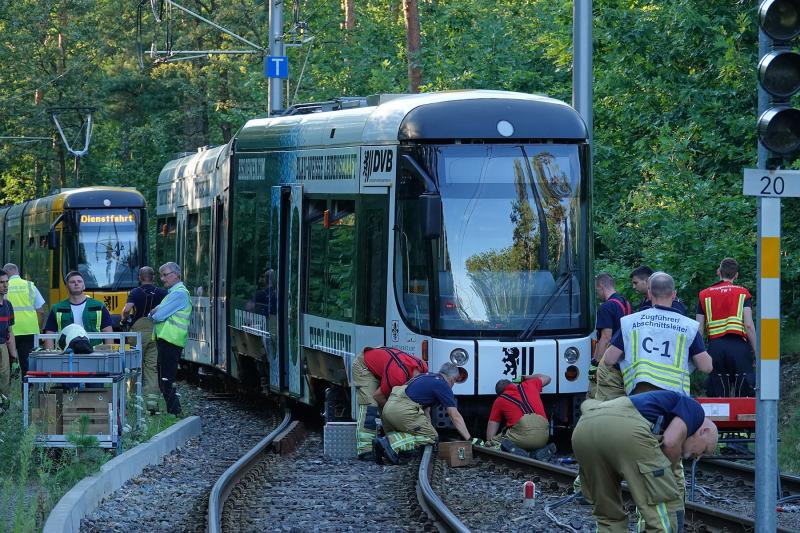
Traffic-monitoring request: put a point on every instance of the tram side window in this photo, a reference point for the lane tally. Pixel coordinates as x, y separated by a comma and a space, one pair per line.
165, 240
373, 242
341, 251
197, 269
331, 252
317, 243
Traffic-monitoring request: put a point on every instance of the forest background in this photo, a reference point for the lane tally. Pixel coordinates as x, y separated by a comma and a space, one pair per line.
674, 97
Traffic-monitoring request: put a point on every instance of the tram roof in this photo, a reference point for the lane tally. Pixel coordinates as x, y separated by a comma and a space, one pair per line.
196, 164
464, 115
96, 197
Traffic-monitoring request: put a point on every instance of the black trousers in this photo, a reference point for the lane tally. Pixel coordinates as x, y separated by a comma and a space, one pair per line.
168, 357
733, 373
24, 348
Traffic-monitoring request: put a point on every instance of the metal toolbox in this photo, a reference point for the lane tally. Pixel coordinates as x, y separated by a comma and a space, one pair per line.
95, 362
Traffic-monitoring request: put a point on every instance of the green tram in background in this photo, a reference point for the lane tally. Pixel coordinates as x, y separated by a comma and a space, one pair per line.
99, 231
455, 226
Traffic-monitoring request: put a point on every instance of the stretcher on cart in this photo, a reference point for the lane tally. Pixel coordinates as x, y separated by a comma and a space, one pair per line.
66, 394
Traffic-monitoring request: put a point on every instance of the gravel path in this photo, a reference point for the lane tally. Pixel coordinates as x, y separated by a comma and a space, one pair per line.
174, 495
306, 491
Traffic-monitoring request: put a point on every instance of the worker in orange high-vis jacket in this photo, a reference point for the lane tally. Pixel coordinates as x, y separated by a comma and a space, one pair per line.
726, 311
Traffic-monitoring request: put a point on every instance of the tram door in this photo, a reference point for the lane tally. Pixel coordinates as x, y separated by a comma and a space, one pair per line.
218, 288
289, 269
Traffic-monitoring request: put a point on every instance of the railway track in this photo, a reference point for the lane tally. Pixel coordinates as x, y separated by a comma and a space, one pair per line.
555, 479
236, 472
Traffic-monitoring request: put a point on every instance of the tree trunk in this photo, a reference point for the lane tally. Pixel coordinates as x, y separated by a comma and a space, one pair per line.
412, 44
349, 14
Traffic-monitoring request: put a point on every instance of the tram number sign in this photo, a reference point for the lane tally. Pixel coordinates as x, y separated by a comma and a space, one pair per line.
772, 183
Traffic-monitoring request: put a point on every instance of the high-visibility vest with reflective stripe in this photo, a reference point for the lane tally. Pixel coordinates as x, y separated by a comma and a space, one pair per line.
22, 295
657, 349
92, 315
175, 329
723, 304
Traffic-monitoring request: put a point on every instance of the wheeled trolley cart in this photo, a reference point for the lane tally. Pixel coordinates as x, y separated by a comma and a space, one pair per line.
66, 393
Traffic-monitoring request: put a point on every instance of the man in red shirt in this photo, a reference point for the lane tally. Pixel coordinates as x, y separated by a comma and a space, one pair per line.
375, 372
519, 405
726, 310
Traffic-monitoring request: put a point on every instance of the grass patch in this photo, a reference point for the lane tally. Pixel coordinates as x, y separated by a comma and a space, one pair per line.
33, 479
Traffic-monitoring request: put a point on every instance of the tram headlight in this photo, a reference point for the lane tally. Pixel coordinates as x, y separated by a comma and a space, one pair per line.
572, 354
459, 357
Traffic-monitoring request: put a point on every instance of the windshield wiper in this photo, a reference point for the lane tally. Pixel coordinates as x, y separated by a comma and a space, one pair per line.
543, 312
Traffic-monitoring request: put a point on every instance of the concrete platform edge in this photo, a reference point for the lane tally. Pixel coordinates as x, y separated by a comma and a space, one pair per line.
84, 497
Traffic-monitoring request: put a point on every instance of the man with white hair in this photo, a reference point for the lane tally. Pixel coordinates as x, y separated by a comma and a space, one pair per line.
171, 329
406, 415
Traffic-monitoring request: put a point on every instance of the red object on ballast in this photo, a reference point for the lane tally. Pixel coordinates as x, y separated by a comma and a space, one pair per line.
731, 413
529, 493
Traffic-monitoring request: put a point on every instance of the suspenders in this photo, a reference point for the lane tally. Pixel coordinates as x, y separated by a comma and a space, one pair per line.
523, 404
625, 308
396, 359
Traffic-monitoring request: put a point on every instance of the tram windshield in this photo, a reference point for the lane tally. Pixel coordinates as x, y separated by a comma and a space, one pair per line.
105, 248
513, 250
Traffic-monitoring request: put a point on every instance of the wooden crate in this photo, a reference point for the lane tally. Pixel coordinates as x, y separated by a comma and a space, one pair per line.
456, 453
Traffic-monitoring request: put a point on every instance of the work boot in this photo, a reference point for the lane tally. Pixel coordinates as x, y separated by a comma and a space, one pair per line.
377, 451
388, 453
545, 453
510, 447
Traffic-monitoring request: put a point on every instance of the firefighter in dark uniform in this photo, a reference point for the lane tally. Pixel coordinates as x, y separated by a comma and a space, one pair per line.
406, 415
637, 439
376, 371
639, 278
725, 310
606, 382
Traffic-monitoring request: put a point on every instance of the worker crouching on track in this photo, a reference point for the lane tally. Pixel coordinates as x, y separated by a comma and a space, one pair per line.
406, 415
519, 405
376, 371
637, 439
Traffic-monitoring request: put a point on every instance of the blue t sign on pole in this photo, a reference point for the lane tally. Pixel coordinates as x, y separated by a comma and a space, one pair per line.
276, 66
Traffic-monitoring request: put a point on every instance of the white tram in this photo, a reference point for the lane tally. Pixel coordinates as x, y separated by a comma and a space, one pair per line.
455, 226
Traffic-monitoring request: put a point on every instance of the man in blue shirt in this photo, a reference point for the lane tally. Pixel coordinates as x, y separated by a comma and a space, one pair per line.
406, 415
602, 380
639, 278
637, 439
171, 320
141, 301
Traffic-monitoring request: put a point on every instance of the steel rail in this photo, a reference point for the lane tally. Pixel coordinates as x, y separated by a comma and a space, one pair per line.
706, 514
222, 488
789, 482
430, 502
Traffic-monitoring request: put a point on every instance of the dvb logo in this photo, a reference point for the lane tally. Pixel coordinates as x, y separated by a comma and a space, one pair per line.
378, 160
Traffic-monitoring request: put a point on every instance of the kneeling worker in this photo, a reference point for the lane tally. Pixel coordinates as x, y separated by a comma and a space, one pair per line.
520, 407
375, 372
406, 415
637, 439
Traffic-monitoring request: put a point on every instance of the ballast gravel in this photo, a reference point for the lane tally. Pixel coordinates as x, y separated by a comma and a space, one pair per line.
306, 491
173, 496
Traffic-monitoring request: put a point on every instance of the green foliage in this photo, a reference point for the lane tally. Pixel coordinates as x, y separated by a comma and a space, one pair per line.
674, 95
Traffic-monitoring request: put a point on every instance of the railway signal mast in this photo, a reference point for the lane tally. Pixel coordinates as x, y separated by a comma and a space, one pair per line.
779, 140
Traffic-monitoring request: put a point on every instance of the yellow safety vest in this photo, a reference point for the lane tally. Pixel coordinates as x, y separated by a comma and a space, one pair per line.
175, 329
22, 295
657, 349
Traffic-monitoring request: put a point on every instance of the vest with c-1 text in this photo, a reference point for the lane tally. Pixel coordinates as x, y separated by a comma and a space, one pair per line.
657, 345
